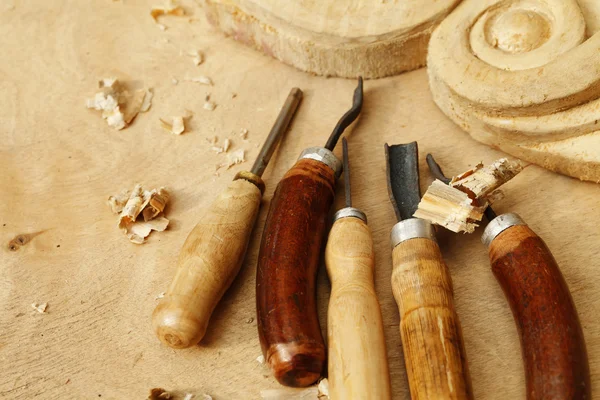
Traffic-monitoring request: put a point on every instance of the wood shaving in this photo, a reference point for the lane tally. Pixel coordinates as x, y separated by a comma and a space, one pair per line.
197, 57
149, 204
244, 133
160, 296
205, 80
237, 157
460, 204
119, 107
41, 308
175, 126
210, 106
159, 394
170, 8
323, 387
260, 359
222, 149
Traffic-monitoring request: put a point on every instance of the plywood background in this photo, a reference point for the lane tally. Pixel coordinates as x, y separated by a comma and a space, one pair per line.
59, 162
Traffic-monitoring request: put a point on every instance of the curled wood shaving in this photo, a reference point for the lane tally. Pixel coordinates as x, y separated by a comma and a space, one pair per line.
41, 308
148, 204
460, 204
170, 8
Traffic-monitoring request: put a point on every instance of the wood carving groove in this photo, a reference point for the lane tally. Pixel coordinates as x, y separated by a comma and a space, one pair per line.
372, 38
288, 324
523, 76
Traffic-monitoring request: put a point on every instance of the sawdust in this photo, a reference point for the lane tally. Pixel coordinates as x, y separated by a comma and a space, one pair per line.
119, 106
149, 204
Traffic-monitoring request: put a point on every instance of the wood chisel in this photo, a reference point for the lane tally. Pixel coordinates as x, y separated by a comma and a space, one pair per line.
288, 324
432, 341
357, 359
552, 342
214, 251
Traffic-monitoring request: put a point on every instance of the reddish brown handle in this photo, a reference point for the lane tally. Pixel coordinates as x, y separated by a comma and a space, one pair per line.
552, 342
289, 256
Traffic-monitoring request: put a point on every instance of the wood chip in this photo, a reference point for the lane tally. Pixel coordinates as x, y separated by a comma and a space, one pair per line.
159, 394
170, 8
160, 296
41, 308
118, 201
138, 231
459, 205
244, 133
210, 106
236, 157
119, 107
222, 149
176, 125
197, 57
205, 80
260, 359
323, 387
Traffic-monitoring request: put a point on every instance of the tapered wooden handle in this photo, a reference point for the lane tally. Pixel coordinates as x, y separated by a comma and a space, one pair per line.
432, 340
288, 323
208, 262
357, 360
552, 342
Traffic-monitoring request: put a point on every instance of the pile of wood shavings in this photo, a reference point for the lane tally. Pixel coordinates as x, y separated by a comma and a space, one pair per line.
460, 204
119, 107
140, 212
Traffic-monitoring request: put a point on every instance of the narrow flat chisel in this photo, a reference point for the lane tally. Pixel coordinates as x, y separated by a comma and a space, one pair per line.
213, 252
294, 233
432, 340
552, 342
357, 359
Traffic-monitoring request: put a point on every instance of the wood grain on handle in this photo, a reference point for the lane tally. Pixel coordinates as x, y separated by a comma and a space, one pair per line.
358, 365
432, 340
552, 341
288, 324
208, 263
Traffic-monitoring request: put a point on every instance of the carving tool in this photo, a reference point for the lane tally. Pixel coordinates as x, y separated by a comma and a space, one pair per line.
552, 342
214, 251
434, 352
286, 308
357, 360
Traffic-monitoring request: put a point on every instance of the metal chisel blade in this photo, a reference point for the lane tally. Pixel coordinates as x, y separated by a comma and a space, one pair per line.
403, 178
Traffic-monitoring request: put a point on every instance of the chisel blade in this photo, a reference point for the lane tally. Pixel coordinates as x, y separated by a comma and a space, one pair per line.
403, 178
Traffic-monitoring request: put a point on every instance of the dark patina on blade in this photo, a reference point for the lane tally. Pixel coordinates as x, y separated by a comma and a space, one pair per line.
403, 178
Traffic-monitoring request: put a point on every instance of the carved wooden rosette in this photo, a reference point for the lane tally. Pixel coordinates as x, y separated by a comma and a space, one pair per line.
524, 76
372, 38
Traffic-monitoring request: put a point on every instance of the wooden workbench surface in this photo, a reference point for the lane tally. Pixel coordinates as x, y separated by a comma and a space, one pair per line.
60, 161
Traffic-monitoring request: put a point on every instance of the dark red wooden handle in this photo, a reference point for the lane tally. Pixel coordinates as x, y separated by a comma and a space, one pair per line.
288, 324
552, 342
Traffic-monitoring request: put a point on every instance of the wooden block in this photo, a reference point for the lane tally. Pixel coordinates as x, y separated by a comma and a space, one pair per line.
334, 38
523, 76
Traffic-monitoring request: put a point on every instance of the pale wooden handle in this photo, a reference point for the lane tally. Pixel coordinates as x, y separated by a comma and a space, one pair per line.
358, 366
208, 262
434, 353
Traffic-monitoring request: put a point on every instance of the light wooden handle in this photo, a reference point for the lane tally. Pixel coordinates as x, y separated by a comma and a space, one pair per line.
434, 353
208, 262
358, 366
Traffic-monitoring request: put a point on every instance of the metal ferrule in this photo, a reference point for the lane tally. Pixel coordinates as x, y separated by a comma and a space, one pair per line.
410, 229
498, 225
325, 156
350, 212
